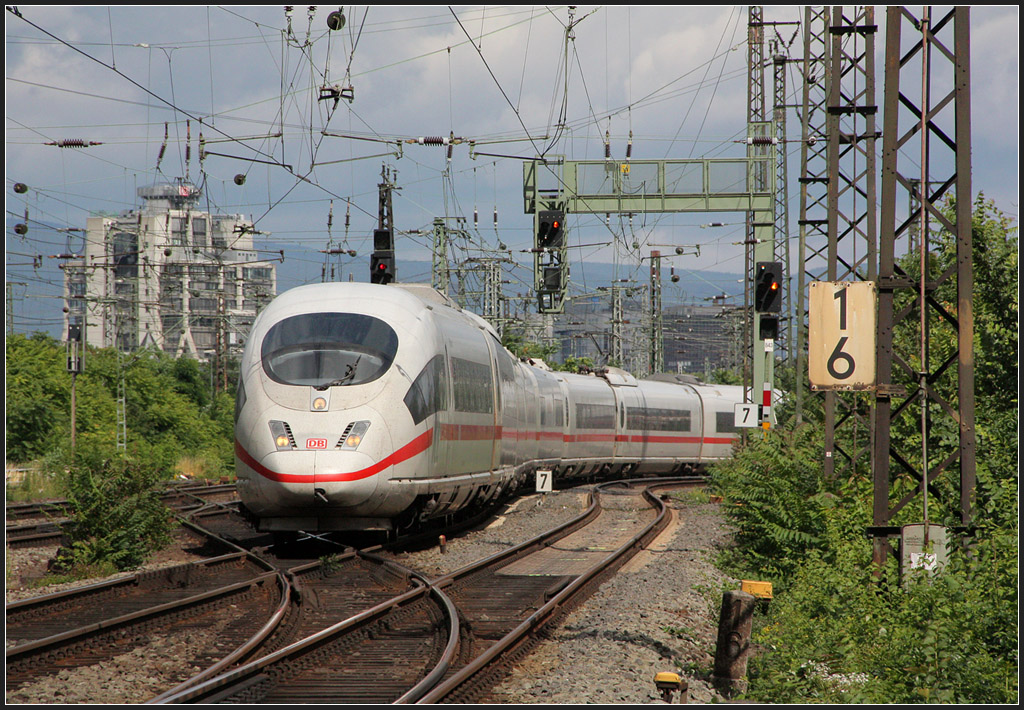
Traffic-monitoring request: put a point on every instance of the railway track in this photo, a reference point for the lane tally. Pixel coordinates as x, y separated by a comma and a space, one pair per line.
348, 626
91, 625
42, 524
444, 639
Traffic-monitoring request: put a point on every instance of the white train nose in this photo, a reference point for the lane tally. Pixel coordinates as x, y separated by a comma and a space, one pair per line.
344, 479
307, 480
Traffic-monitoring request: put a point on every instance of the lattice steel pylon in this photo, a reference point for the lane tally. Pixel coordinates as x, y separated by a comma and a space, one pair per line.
782, 251
838, 195
926, 147
657, 332
757, 131
814, 167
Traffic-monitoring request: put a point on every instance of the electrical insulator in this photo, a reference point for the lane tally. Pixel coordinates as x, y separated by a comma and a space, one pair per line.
336, 20
73, 143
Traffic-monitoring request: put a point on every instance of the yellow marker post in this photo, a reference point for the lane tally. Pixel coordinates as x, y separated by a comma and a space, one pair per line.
761, 590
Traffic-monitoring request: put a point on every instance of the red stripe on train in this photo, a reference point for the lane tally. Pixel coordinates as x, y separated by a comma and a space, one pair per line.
417, 446
458, 432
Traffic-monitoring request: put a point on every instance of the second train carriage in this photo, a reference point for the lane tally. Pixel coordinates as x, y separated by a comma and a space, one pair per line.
367, 407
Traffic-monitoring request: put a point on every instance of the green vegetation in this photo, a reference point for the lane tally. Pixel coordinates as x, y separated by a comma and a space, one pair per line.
175, 424
119, 517
171, 413
520, 347
841, 629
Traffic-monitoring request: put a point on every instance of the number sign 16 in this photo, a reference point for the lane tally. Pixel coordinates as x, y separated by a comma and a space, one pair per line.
842, 337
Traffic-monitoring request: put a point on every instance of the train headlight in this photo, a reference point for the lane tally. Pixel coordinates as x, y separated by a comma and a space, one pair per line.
319, 404
354, 436
282, 435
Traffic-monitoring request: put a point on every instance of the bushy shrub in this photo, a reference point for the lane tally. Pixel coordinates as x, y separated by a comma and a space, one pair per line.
845, 632
119, 519
772, 495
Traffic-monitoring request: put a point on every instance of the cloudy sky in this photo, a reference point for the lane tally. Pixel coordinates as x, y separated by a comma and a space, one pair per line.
250, 81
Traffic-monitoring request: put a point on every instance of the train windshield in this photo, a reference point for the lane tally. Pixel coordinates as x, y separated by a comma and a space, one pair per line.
328, 350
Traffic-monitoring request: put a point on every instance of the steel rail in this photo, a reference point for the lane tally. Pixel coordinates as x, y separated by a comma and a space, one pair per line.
231, 682
17, 652
550, 609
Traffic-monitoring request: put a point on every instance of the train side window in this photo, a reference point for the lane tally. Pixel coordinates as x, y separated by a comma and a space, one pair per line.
239, 397
636, 418
472, 386
668, 419
428, 393
595, 416
725, 422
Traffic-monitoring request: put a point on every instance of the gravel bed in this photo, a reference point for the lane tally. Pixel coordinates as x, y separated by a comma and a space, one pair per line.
523, 519
27, 566
658, 614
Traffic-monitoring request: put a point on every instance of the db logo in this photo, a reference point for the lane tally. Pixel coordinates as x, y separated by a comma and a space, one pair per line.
316, 443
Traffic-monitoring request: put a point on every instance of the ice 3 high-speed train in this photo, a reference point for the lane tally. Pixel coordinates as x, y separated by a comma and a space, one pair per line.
372, 407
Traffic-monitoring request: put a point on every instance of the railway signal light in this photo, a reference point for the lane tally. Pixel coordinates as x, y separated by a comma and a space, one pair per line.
552, 279
550, 229
383, 240
382, 267
768, 287
769, 329
382, 260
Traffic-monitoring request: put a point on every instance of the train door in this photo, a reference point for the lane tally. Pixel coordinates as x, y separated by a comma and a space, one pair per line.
499, 372
443, 423
700, 423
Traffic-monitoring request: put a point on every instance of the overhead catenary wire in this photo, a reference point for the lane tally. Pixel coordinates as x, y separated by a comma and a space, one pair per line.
479, 35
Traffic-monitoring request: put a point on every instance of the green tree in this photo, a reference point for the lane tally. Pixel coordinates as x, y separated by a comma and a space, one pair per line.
842, 630
169, 407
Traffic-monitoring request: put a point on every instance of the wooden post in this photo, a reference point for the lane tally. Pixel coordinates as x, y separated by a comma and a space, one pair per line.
734, 626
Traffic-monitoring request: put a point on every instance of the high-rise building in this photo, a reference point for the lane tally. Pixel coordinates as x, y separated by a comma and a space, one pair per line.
168, 276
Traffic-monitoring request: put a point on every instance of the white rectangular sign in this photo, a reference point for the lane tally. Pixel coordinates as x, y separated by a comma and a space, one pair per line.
544, 481
746, 415
841, 338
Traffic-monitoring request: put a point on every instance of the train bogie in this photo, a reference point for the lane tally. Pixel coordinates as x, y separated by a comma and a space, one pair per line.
368, 407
